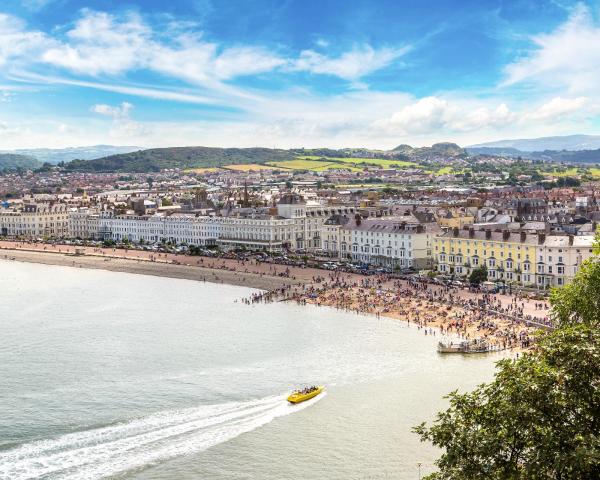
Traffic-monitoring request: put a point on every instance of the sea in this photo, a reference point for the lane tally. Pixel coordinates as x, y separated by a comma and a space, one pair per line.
123, 376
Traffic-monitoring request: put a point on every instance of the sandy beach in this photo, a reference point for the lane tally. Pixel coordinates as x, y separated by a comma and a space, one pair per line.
145, 267
504, 321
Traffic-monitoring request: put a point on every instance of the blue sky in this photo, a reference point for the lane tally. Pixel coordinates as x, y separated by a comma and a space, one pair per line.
295, 73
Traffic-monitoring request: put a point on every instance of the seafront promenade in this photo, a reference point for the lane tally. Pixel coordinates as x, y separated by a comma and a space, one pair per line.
504, 321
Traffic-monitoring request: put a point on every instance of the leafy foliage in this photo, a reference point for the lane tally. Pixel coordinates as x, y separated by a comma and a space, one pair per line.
478, 275
540, 416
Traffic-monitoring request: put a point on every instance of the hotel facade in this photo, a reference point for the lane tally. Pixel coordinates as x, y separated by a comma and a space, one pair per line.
537, 260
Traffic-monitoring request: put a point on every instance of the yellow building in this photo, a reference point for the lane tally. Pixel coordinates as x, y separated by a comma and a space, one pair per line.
508, 256
451, 220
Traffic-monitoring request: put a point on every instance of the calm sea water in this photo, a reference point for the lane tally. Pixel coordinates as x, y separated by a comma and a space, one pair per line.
106, 374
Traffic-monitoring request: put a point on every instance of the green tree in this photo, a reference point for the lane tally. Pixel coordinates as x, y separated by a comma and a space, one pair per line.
478, 275
540, 416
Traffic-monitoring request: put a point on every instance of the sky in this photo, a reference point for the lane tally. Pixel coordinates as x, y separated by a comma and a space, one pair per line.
288, 73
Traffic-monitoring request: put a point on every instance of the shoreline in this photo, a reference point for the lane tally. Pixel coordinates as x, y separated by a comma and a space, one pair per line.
431, 308
145, 267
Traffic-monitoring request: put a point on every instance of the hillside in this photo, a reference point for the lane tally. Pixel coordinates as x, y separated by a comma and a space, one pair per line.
566, 142
569, 156
438, 151
10, 162
156, 159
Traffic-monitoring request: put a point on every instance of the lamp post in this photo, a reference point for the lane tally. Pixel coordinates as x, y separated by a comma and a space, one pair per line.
419, 466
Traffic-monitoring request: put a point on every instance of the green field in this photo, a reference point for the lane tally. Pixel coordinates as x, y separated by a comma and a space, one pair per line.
312, 165
569, 172
363, 162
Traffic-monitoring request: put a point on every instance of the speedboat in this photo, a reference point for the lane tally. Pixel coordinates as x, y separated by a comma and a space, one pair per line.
302, 395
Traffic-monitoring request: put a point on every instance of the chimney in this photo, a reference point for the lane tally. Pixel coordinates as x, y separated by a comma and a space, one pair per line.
571, 240
541, 238
505, 235
455, 232
523, 237
488, 234
471, 232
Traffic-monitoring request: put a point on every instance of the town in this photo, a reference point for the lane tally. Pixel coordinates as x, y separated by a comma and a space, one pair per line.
527, 236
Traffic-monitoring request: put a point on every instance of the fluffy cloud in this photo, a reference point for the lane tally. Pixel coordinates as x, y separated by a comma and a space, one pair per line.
123, 127
120, 111
567, 58
16, 42
558, 108
101, 43
433, 114
351, 65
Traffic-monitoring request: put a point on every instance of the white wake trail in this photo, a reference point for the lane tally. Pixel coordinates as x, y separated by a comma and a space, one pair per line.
146, 441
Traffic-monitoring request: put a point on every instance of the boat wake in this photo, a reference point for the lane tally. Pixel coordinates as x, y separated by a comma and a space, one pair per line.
141, 442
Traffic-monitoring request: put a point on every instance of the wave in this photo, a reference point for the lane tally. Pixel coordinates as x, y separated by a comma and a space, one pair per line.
141, 442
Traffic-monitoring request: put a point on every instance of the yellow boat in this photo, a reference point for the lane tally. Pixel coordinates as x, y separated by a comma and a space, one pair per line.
298, 396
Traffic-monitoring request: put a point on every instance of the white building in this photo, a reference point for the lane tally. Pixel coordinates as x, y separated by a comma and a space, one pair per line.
33, 220
392, 242
294, 225
309, 221
560, 256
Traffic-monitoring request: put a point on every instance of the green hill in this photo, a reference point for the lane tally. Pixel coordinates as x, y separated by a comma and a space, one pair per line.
156, 159
10, 162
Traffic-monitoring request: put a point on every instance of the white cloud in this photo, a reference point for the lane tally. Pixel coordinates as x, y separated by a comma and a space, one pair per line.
16, 41
351, 65
100, 44
120, 111
431, 115
123, 127
558, 108
104, 44
567, 58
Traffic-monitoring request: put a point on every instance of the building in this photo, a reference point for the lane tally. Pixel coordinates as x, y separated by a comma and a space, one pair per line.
255, 230
309, 220
524, 258
35, 220
391, 242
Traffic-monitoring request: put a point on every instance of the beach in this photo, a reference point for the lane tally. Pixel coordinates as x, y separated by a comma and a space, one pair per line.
503, 321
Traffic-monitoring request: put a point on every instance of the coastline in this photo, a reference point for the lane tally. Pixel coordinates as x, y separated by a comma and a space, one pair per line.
145, 267
451, 313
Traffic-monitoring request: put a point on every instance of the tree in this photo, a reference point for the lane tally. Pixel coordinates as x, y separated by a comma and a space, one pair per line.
540, 416
478, 275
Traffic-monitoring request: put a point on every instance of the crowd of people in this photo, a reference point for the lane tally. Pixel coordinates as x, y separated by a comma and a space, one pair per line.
447, 310
433, 308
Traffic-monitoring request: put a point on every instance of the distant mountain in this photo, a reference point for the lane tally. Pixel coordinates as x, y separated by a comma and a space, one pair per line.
10, 162
56, 155
567, 142
438, 151
566, 156
156, 159
499, 152
580, 156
